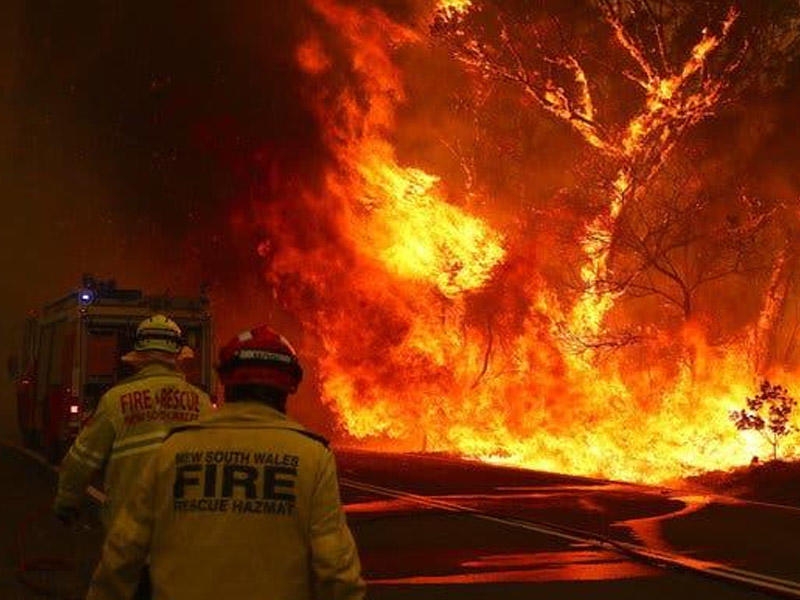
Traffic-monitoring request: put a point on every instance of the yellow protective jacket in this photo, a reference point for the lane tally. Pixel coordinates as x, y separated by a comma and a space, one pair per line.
130, 422
243, 505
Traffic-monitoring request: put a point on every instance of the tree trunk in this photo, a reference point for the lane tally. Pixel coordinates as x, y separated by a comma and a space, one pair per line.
771, 311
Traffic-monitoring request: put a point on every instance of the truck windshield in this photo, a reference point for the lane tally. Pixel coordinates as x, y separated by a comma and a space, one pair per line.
103, 367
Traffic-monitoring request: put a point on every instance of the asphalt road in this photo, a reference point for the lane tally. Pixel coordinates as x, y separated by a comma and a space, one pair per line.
39, 557
434, 527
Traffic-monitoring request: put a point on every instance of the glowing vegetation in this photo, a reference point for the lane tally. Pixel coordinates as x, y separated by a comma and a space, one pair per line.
434, 327
768, 413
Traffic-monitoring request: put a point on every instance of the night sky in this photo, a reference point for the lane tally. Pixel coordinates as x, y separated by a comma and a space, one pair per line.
132, 127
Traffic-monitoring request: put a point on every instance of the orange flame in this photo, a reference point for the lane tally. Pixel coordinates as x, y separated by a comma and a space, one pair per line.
421, 345
453, 8
417, 235
648, 138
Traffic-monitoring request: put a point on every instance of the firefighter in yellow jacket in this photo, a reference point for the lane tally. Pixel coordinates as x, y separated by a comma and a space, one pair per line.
131, 420
243, 504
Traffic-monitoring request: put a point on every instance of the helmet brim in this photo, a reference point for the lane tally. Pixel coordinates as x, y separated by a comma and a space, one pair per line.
138, 357
258, 375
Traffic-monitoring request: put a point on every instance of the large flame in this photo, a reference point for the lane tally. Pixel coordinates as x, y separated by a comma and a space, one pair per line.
452, 8
435, 330
416, 234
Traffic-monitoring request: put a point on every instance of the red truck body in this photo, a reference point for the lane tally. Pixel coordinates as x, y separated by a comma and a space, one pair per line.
72, 352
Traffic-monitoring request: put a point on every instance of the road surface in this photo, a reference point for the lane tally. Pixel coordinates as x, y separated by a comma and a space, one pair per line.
435, 527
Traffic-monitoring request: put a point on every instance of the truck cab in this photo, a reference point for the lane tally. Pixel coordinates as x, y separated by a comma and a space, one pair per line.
73, 349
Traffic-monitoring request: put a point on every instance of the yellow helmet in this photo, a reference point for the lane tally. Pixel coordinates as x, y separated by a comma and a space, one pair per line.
158, 332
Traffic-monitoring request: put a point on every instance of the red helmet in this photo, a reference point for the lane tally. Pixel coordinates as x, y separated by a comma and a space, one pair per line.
260, 356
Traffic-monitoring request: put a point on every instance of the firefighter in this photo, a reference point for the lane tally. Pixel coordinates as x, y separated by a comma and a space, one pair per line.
242, 504
131, 420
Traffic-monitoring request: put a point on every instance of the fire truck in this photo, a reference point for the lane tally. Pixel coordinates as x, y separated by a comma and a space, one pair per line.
72, 350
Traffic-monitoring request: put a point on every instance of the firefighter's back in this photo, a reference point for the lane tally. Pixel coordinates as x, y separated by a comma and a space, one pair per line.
131, 420
143, 409
242, 504
235, 497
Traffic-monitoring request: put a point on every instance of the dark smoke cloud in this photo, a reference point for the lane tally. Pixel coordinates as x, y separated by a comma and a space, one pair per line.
149, 120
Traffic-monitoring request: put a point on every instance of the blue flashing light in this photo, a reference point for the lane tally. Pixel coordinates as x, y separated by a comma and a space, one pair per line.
85, 297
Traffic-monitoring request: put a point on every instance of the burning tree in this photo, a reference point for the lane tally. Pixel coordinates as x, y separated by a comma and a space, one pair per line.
631, 98
681, 240
777, 294
774, 426
433, 314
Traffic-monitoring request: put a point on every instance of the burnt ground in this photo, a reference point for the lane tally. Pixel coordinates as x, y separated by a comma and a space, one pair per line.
411, 550
774, 481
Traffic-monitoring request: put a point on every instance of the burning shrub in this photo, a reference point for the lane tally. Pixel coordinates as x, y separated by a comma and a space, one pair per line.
778, 405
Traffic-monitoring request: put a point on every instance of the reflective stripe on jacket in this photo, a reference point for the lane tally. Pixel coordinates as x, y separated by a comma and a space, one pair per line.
245, 504
130, 422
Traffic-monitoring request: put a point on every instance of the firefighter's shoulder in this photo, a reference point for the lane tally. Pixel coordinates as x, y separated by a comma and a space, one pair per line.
304, 432
182, 428
126, 381
292, 425
314, 436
